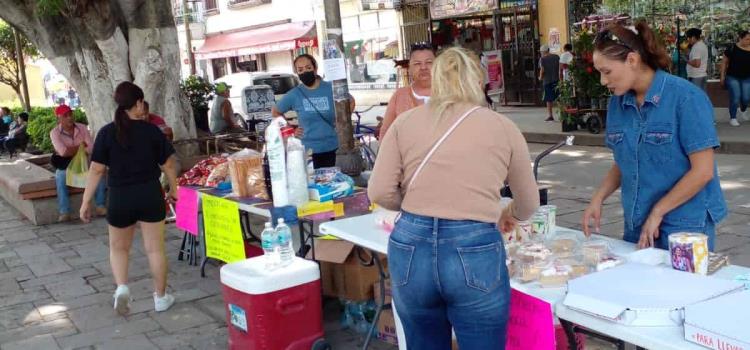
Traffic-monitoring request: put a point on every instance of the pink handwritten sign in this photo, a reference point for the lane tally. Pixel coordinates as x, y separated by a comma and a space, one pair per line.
530, 326
186, 210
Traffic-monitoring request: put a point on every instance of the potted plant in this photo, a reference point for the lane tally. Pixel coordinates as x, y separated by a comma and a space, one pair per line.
566, 101
199, 92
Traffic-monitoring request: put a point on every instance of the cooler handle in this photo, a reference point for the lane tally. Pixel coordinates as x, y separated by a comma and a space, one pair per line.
291, 304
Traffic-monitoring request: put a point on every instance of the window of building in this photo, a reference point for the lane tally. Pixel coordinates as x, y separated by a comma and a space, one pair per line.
219, 67
210, 6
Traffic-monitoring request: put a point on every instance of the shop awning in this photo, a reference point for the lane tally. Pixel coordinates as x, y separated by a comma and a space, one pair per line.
278, 37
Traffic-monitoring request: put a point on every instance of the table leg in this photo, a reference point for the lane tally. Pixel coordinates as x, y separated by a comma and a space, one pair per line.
182, 246
570, 333
381, 302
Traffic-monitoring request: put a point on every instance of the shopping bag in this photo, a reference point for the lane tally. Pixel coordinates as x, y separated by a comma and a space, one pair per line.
78, 169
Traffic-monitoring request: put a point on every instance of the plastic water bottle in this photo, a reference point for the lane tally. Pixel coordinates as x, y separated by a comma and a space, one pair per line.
270, 243
286, 251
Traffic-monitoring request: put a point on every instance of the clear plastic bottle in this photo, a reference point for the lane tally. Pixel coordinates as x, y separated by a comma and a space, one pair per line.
270, 243
286, 250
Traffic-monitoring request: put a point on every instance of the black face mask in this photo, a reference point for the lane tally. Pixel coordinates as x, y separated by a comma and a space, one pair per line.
308, 78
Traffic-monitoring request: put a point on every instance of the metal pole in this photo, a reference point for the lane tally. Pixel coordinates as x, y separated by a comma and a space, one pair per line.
22, 69
188, 36
348, 156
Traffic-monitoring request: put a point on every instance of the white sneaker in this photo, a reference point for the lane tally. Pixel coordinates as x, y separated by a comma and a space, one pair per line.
163, 303
745, 115
122, 300
734, 122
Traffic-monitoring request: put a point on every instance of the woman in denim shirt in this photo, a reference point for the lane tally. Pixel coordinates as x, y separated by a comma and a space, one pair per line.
660, 129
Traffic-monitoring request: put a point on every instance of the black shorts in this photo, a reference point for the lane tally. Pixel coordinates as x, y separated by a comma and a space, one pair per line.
130, 204
324, 159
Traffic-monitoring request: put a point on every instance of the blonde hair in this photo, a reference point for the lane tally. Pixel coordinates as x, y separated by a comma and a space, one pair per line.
457, 77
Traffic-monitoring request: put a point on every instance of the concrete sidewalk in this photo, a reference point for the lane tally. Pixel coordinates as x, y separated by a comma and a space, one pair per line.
734, 140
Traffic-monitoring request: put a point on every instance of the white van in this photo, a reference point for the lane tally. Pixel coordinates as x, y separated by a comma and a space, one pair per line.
280, 83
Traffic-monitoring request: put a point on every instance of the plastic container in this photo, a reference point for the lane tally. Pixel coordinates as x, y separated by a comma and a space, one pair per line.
594, 250
277, 162
564, 244
278, 309
286, 250
296, 170
270, 243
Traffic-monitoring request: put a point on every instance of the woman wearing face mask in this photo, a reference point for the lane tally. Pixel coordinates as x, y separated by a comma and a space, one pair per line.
316, 115
418, 93
660, 129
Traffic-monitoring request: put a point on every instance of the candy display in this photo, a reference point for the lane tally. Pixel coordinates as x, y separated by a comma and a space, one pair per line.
689, 252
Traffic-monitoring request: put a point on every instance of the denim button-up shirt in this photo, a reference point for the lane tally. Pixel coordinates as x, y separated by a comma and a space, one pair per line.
651, 146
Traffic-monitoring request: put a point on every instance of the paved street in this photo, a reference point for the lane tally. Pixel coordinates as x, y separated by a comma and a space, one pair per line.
56, 284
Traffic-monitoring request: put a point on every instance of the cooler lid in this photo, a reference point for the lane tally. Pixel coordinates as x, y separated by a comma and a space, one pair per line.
251, 276
727, 315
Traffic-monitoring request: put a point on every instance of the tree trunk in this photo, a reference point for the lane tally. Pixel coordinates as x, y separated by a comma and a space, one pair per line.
96, 44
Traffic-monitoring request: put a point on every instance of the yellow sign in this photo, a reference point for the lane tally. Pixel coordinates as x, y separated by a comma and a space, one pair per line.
338, 210
314, 207
222, 229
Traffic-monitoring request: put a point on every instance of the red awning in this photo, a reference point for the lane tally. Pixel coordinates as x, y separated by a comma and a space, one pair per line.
279, 37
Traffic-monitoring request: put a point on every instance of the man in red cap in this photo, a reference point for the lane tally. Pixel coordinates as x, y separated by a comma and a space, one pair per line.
66, 138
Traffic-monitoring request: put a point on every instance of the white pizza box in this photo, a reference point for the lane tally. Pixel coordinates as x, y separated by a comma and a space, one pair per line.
722, 323
642, 295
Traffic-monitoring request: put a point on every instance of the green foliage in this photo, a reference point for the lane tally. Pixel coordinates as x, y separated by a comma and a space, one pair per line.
49, 7
198, 91
41, 121
9, 72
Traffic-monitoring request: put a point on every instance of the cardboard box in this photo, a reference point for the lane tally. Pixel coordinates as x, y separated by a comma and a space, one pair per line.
387, 327
721, 323
376, 292
342, 275
603, 294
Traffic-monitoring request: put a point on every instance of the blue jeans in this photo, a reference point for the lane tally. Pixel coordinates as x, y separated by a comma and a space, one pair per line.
63, 199
739, 94
449, 273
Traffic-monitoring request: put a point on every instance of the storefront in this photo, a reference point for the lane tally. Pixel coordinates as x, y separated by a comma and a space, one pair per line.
259, 48
508, 26
371, 43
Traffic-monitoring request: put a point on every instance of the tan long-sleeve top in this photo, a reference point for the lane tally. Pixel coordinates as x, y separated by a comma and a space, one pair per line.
462, 180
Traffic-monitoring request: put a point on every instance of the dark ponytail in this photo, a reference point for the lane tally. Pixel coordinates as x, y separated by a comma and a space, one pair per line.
656, 54
126, 96
617, 41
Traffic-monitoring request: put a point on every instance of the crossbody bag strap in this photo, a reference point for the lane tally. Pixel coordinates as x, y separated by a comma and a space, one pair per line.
437, 144
316, 108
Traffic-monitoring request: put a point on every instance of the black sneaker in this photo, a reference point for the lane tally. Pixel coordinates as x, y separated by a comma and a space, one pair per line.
549, 119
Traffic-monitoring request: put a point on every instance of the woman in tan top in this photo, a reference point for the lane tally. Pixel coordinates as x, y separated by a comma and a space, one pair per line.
446, 255
416, 94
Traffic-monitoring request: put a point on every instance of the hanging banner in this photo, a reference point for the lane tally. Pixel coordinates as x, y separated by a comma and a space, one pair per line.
380, 4
553, 41
530, 324
493, 62
186, 210
221, 222
452, 8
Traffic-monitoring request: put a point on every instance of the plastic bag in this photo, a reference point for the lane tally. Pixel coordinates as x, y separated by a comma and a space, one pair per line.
78, 169
246, 172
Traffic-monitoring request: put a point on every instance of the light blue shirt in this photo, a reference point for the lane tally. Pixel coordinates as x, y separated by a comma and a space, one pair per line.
316, 115
651, 147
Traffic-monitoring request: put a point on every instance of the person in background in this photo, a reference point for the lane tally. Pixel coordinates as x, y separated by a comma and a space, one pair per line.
549, 74
134, 153
316, 114
418, 93
16, 136
735, 75
221, 119
697, 59
566, 60
445, 254
159, 122
66, 138
660, 129
5, 121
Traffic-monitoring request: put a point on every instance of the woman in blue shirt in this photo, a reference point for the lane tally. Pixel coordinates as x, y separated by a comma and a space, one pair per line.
316, 113
660, 129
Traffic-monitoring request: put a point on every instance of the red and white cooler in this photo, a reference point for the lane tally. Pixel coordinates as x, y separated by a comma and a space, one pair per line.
273, 310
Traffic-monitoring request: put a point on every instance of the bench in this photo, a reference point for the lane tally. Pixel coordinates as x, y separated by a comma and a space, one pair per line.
30, 188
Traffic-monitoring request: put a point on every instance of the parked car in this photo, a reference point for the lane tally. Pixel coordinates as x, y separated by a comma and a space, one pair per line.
280, 83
